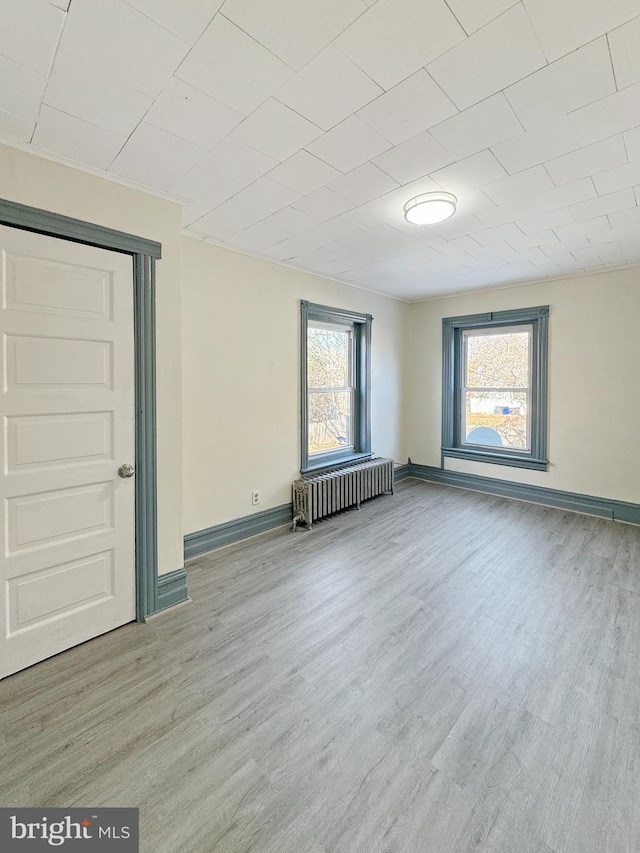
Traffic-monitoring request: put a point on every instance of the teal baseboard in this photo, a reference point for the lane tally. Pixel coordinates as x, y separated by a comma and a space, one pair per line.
605, 507
400, 472
232, 531
172, 589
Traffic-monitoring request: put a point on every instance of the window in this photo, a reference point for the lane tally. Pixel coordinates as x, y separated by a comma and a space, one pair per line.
495, 387
335, 367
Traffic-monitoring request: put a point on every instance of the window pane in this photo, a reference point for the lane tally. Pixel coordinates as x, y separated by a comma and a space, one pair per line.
498, 361
496, 419
329, 421
328, 358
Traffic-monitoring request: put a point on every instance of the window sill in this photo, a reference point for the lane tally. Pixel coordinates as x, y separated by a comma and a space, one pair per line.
496, 458
327, 465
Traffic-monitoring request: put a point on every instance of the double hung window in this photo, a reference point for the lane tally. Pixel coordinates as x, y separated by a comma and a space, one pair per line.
494, 387
335, 361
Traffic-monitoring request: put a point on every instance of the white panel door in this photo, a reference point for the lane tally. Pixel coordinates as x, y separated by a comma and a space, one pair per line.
67, 418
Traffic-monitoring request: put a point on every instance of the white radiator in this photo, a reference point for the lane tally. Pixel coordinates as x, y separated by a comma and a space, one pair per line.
319, 495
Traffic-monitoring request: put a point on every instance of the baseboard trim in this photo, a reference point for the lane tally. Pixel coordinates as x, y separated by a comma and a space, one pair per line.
202, 541
172, 589
401, 472
605, 507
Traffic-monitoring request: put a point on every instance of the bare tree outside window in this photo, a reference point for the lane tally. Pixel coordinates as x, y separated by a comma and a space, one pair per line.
330, 388
497, 384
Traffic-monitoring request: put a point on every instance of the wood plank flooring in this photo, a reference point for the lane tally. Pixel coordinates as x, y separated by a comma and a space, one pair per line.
441, 672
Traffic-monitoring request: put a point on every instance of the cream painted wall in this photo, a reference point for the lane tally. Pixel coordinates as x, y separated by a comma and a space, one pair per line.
594, 387
241, 378
41, 183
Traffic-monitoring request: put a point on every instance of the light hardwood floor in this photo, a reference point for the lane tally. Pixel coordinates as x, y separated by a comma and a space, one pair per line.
441, 672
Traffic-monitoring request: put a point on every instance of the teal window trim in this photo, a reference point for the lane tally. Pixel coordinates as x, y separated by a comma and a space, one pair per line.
452, 378
310, 312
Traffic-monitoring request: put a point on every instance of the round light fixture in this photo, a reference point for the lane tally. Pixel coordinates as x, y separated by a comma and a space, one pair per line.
430, 208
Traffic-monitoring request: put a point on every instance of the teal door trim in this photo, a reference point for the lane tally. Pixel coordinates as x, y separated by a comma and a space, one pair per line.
144, 254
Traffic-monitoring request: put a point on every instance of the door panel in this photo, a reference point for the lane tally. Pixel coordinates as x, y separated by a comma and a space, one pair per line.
67, 547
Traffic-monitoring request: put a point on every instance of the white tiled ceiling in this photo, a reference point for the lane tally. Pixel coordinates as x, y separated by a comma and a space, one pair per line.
296, 130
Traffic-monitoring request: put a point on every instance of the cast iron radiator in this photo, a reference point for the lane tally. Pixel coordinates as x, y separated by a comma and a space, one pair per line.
319, 495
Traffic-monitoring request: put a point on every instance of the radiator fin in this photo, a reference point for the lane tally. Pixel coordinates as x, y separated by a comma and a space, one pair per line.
319, 495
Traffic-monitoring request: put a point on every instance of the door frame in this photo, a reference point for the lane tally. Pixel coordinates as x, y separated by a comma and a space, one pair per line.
144, 254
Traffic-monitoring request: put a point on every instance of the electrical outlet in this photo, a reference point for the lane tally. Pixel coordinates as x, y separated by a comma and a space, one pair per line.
255, 497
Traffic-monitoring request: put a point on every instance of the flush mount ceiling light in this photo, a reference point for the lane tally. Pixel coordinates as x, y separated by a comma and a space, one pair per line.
430, 208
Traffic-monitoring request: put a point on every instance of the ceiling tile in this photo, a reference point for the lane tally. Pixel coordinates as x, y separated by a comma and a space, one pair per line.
421, 256
342, 265
520, 185
491, 236
601, 206
235, 160
457, 245
475, 171
328, 89
623, 43
76, 139
554, 199
82, 91
115, 38
152, 156
505, 213
530, 253
543, 221
587, 161
298, 245
15, 128
397, 198
194, 210
61, 4
478, 127
414, 158
276, 130
363, 184
495, 250
618, 179
458, 227
500, 54
201, 184
578, 231
323, 204
291, 220
402, 23
474, 15
190, 114
528, 241
410, 107
295, 30
186, 19
304, 173
267, 195
259, 237
339, 229
21, 89
348, 145
232, 216
608, 116
632, 143
536, 146
572, 82
625, 218
29, 32
371, 214
233, 68
562, 27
